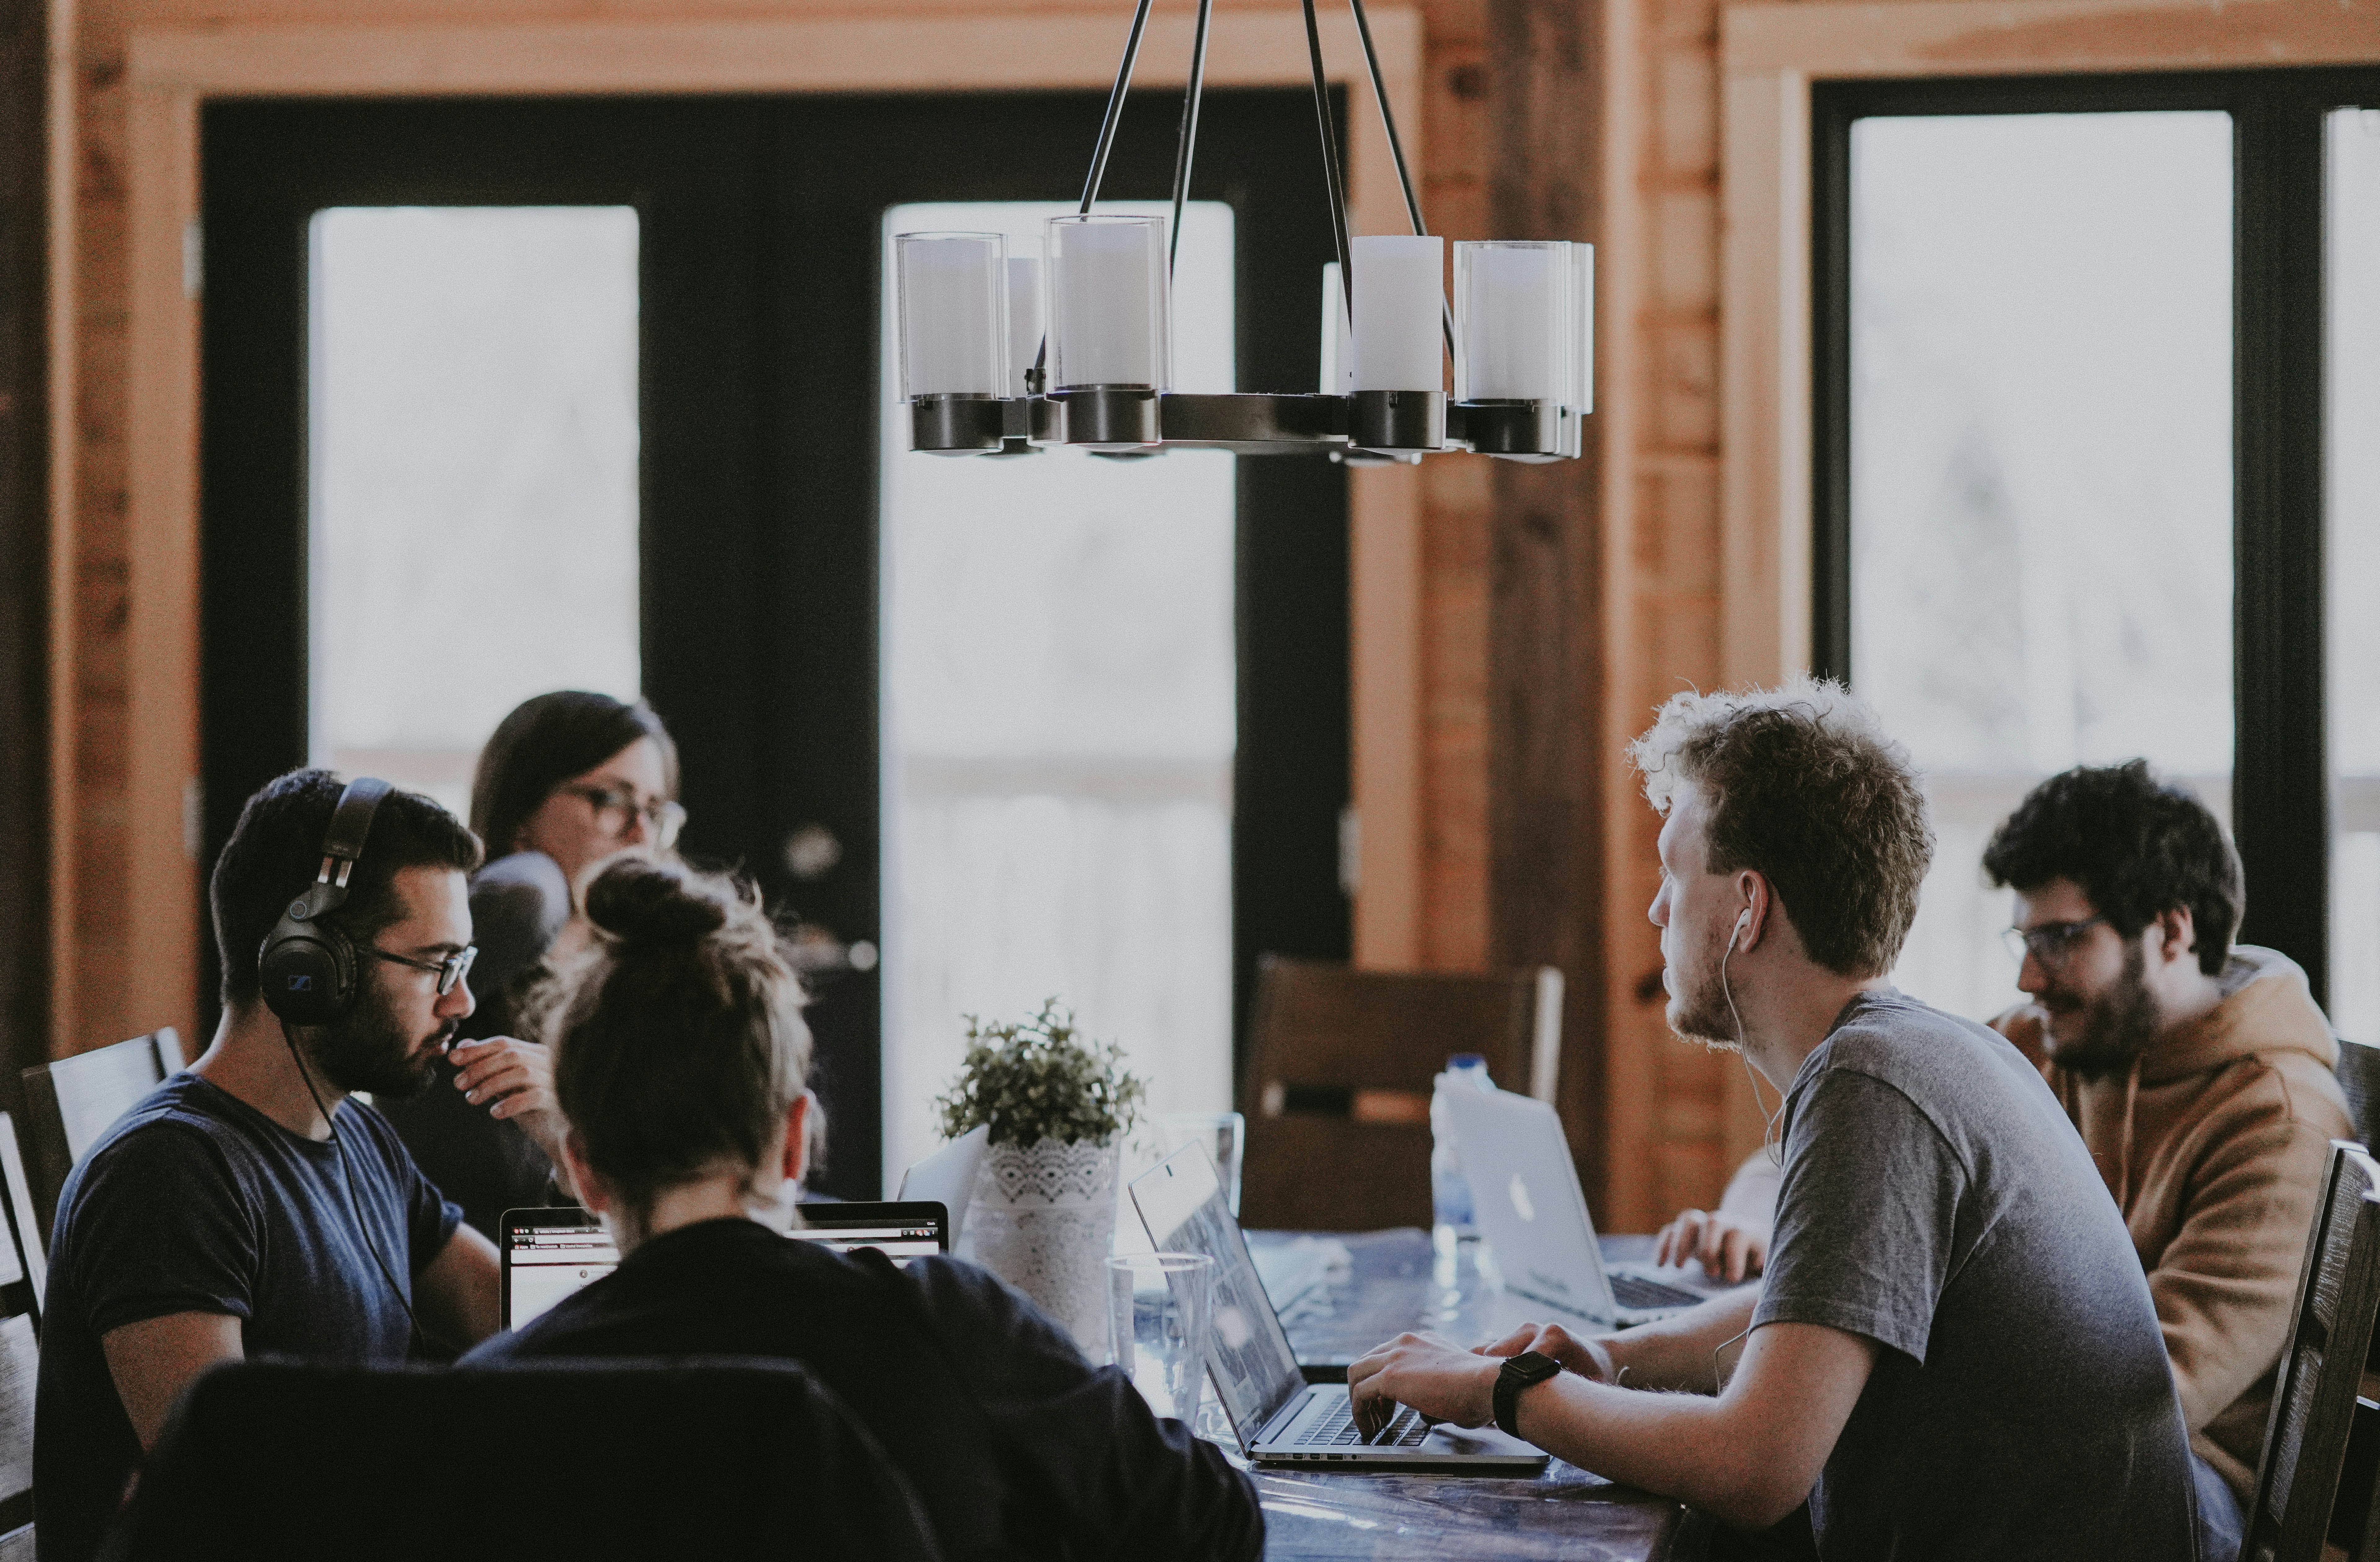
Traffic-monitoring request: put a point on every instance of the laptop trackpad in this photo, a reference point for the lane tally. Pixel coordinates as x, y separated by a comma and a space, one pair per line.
1473, 1441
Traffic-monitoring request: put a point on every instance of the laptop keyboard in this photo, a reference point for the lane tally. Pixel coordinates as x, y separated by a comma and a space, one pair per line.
1636, 1291
1337, 1430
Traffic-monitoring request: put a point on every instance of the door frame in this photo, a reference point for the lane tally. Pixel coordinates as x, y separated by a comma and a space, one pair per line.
1769, 56
172, 72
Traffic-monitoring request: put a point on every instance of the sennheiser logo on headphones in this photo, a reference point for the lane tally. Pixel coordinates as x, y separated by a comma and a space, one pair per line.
301, 983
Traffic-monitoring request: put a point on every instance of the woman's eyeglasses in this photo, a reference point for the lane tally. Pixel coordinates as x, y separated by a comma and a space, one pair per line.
615, 806
2052, 944
451, 971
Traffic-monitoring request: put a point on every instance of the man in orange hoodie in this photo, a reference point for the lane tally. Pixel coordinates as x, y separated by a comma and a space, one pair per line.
2198, 1073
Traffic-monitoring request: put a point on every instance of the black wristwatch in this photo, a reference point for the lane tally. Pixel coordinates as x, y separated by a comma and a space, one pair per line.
1524, 1371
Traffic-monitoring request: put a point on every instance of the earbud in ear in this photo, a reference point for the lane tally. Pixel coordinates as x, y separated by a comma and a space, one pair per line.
1743, 918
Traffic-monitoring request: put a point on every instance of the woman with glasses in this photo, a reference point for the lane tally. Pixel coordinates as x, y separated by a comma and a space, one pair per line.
567, 780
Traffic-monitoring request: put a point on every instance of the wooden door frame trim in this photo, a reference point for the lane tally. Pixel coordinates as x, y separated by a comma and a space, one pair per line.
1769, 55
171, 74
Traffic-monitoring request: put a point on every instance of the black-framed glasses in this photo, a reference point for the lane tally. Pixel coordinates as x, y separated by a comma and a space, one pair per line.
2053, 944
449, 971
614, 806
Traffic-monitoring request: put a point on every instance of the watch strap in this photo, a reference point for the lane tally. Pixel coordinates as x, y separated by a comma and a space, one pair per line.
1525, 1371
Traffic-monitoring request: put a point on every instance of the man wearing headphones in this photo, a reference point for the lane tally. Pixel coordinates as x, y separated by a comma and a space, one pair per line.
247, 1205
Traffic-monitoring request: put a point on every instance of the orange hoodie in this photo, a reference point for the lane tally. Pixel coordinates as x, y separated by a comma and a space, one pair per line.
2214, 1146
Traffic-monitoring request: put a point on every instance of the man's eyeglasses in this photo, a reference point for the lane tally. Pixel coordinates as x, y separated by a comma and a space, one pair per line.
614, 806
451, 971
2053, 944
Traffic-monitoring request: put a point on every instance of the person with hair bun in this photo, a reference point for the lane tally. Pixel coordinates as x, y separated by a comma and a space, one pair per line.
565, 780
680, 1068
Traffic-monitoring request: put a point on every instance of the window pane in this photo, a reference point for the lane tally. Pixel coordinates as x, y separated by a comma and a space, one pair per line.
2353, 568
1058, 723
2040, 474
473, 451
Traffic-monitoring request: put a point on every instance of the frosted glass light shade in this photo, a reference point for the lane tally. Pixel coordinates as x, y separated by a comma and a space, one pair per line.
953, 295
1023, 321
1400, 302
1110, 312
1514, 303
1582, 363
1337, 370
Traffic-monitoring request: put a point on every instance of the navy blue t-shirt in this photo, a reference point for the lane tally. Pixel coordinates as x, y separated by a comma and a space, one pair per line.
195, 1201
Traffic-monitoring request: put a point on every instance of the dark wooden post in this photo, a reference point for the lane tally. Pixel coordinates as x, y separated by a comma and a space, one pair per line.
24, 510
1546, 673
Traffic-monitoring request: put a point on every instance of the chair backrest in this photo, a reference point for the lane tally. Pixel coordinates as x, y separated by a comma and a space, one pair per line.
69, 1103
31, 1259
2321, 1367
2359, 1075
743, 1458
1340, 1069
20, 1282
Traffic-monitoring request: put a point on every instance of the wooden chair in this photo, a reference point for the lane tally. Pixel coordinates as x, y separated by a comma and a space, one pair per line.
2359, 1075
2323, 1368
21, 1279
1340, 1069
71, 1101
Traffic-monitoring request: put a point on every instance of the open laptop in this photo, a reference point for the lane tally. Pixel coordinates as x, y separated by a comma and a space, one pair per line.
947, 1177
545, 1254
1525, 1193
1280, 1417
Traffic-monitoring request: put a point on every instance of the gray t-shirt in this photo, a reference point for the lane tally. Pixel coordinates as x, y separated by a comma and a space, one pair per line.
1937, 1201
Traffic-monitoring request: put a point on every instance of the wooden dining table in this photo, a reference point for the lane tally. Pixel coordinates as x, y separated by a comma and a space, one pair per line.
1339, 1295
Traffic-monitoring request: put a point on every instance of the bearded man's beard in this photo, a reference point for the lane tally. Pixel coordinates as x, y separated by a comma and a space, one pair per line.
2118, 1025
1698, 1009
368, 1050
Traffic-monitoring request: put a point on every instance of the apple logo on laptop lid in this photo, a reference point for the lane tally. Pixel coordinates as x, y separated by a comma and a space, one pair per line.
1521, 1204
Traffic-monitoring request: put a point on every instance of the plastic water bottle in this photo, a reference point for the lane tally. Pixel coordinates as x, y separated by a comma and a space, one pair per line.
1450, 1191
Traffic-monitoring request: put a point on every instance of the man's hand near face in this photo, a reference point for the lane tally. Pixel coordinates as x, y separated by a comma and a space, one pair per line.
513, 1080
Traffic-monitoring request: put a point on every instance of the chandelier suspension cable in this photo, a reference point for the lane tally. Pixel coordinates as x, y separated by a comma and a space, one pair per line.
1330, 161
1387, 117
1188, 140
1115, 118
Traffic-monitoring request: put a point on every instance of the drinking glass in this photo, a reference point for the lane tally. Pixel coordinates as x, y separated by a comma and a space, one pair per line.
1223, 1133
1161, 1309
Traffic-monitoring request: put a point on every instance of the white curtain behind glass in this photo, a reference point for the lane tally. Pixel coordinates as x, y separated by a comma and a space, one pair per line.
2040, 474
2351, 211
472, 426
1059, 724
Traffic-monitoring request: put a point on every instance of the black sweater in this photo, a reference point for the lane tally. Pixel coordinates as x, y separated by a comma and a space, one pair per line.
1017, 1446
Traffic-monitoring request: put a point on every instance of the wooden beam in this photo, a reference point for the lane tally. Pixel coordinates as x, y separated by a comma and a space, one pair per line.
1546, 668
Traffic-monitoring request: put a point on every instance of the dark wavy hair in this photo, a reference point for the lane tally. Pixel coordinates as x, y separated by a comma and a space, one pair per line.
1805, 789
544, 742
277, 849
2138, 846
678, 1040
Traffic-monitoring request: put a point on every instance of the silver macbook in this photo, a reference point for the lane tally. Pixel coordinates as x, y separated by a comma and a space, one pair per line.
1280, 1417
1526, 1195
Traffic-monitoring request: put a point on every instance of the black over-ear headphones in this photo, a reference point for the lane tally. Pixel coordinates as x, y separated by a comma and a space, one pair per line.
307, 968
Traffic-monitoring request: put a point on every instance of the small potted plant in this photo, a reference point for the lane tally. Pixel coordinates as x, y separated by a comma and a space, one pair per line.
1043, 1214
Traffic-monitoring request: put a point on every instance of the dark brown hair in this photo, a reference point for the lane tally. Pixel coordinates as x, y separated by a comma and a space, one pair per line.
277, 849
2138, 846
544, 742
678, 1039
1805, 789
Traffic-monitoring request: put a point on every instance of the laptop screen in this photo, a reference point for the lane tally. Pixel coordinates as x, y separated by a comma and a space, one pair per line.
903, 1231
547, 1255
1254, 1371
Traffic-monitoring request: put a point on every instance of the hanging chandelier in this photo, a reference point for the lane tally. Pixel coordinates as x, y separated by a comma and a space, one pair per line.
1006, 354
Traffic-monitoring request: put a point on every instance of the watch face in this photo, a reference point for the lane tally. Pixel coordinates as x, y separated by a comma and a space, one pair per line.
1535, 1366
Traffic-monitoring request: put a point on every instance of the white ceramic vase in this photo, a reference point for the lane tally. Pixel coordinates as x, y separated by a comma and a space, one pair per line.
1043, 1218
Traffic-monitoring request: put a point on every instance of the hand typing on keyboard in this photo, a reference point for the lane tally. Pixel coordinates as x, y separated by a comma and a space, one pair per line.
1435, 1376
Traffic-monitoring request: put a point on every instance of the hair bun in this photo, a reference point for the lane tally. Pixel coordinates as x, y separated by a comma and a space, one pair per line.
641, 900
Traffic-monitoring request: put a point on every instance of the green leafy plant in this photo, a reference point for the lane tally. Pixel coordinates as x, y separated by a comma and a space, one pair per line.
1037, 1079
